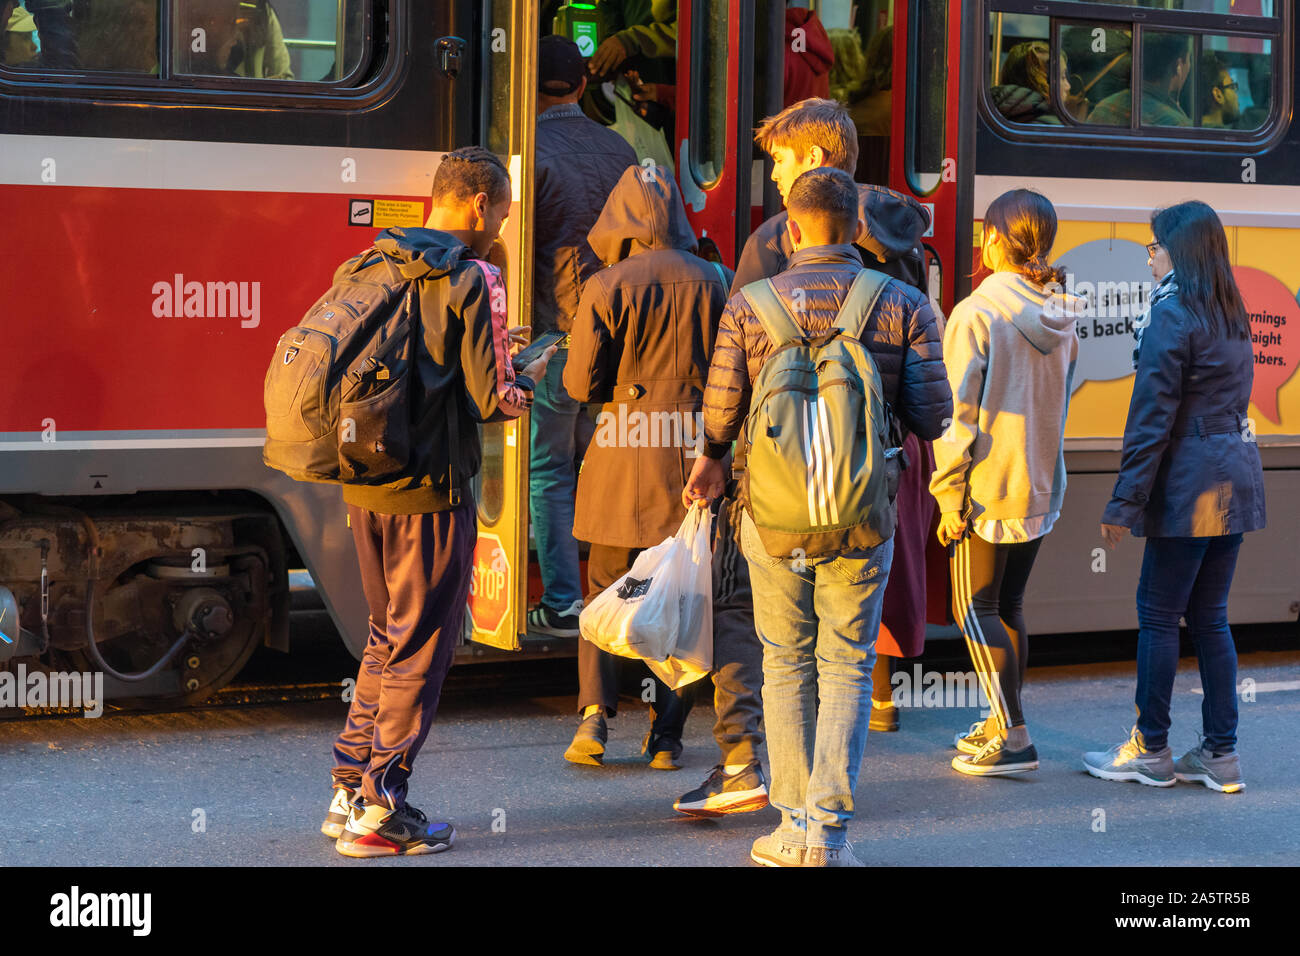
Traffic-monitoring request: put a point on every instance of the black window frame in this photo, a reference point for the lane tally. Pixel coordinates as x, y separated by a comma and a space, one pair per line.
1278, 29
385, 37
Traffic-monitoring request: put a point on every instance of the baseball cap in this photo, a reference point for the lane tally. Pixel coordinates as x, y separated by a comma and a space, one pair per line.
20, 21
560, 66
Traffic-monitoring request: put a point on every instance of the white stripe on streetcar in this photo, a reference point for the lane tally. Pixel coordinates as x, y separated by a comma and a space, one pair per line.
213, 166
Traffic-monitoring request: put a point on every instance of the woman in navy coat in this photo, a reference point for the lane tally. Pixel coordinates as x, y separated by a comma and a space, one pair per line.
1190, 481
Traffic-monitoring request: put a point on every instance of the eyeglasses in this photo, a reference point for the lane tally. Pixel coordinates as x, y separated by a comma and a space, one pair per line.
1231, 87
1152, 248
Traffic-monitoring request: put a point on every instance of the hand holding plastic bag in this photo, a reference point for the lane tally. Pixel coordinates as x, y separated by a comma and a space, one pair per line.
663, 606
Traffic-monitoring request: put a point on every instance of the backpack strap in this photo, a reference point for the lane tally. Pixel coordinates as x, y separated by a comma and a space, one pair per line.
861, 302
772, 312
722, 276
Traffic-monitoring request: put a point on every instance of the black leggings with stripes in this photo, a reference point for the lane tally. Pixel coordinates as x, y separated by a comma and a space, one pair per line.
988, 596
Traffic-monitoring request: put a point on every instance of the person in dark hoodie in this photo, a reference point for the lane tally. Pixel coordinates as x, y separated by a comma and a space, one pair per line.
415, 535
808, 56
807, 135
641, 345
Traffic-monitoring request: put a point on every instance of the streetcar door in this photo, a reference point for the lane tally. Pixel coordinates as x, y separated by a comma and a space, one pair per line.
502, 53
714, 136
899, 68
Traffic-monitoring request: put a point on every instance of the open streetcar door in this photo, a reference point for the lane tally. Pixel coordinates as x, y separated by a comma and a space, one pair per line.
504, 55
932, 153
714, 139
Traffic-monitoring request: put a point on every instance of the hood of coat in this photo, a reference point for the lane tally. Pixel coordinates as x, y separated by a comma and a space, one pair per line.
895, 223
423, 252
816, 46
1045, 318
644, 212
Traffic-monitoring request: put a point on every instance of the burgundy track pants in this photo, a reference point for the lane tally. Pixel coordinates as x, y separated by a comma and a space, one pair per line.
415, 570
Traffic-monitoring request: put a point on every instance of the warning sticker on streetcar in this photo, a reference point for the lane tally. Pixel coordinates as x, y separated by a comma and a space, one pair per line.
385, 213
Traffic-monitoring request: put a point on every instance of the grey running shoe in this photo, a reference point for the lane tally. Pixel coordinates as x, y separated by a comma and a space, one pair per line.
1131, 761
832, 856
771, 850
1221, 773
973, 741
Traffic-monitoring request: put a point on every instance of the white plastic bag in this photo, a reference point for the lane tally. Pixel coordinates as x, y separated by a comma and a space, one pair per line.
662, 608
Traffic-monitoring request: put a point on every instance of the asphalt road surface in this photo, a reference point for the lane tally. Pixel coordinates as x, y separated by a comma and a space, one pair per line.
249, 786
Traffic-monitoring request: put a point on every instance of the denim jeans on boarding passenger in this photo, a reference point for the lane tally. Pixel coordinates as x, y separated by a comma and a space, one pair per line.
818, 625
552, 484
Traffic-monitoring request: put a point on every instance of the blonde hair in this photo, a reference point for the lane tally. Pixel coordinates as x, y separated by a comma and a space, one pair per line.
808, 123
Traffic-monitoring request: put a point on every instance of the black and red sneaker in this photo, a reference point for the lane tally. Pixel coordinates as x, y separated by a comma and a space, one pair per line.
374, 830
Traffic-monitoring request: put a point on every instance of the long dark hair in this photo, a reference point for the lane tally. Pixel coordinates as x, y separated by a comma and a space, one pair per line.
1026, 221
1198, 249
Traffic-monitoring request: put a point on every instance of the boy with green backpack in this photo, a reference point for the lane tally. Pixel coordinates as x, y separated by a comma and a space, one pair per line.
807, 371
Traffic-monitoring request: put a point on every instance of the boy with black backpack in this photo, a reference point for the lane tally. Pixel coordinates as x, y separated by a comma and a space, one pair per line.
414, 522
807, 370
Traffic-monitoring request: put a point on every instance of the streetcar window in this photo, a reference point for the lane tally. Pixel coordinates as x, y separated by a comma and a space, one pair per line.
496, 109
927, 99
307, 40
1241, 8
709, 94
862, 78
1220, 83
115, 36
1233, 83
314, 41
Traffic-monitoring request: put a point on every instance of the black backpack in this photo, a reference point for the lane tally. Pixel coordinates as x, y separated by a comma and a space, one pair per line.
337, 393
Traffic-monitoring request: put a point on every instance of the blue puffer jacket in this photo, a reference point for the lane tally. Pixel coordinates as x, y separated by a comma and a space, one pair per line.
901, 334
1190, 466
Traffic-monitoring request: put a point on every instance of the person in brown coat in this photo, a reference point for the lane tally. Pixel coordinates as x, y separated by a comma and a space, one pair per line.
642, 337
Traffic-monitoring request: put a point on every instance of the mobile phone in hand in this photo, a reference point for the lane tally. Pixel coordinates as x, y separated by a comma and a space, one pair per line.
535, 349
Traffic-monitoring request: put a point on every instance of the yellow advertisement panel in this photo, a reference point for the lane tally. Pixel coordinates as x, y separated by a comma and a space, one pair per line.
1106, 264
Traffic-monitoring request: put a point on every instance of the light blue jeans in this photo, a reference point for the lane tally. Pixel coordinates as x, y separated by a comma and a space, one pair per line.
818, 621
552, 485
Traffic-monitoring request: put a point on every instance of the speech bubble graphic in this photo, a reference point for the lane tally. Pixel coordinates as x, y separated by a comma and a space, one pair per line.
1274, 334
1114, 280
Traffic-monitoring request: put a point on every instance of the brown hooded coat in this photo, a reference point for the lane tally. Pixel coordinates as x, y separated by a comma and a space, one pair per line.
642, 338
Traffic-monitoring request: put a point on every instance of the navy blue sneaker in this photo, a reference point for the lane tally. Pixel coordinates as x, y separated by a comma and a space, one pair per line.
720, 794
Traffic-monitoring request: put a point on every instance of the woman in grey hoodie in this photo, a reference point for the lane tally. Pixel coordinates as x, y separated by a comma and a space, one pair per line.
1010, 350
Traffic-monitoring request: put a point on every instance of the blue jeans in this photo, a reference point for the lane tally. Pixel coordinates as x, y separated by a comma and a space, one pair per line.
818, 621
1187, 577
553, 484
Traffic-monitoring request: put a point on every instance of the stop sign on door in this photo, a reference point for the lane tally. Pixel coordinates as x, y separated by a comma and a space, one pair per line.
489, 588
